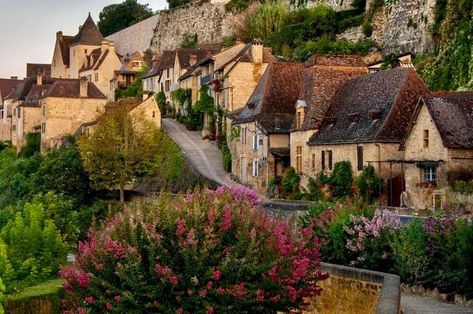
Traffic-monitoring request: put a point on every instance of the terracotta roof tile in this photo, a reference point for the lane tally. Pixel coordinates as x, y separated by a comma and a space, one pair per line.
69, 88
375, 107
7, 86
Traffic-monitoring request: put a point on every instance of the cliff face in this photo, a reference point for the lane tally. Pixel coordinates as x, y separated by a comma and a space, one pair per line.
398, 26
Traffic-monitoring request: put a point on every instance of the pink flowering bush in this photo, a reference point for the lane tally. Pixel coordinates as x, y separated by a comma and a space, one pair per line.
369, 240
206, 252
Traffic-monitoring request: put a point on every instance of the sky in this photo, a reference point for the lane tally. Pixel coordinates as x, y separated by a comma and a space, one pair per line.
28, 28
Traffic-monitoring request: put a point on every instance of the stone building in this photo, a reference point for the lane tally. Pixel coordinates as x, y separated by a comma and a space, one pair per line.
366, 123
259, 136
323, 77
10, 92
131, 66
66, 105
438, 149
86, 54
159, 77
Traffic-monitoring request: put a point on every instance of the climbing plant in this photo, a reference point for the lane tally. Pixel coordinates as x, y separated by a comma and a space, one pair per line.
205, 103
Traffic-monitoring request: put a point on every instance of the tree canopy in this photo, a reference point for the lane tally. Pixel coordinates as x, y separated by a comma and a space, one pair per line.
116, 17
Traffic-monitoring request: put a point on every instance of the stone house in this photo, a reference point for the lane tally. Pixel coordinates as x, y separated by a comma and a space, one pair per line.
323, 77
131, 66
86, 54
365, 124
139, 110
160, 76
68, 104
10, 90
438, 149
259, 136
100, 67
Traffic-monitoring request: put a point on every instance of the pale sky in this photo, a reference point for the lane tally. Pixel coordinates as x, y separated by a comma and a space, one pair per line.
28, 28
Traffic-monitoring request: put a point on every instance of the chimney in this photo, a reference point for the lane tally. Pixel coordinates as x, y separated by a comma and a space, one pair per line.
193, 59
39, 78
59, 35
154, 62
13, 77
105, 44
257, 51
83, 86
111, 46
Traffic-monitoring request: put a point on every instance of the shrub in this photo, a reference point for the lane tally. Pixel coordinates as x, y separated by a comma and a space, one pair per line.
341, 180
290, 182
227, 157
32, 146
211, 251
369, 184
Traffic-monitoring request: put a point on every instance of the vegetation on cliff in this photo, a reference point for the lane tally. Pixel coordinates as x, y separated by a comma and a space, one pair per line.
116, 17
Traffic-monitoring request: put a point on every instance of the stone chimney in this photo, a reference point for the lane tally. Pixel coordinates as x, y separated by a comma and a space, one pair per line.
193, 59
59, 35
154, 62
39, 78
105, 45
83, 87
13, 77
257, 51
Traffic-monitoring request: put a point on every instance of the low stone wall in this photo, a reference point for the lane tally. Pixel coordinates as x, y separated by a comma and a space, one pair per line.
353, 290
285, 210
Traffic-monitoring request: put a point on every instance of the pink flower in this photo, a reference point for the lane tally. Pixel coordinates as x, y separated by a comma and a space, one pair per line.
81, 310
83, 279
210, 285
89, 300
181, 227
109, 306
276, 298
227, 218
260, 295
210, 310
117, 298
217, 275
173, 280
300, 267
202, 293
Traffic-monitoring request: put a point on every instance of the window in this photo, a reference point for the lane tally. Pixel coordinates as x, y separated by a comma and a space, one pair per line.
96, 77
359, 153
426, 138
136, 64
255, 141
167, 85
299, 159
255, 168
299, 120
43, 127
167, 73
1, 114
154, 114
323, 160
14, 127
243, 136
313, 161
430, 174
330, 162
44, 110
85, 51
14, 111
19, 113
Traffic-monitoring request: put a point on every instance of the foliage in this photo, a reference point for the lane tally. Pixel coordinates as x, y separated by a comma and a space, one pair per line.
116, 17
452, 68
341, 179
211, 251
227, 156
162, 103
182, 96
189, 41
205, 103
120, 149
176, 3
268, 21
290, 183
31, 247
32, 146
135, 89
463, 187
369, 184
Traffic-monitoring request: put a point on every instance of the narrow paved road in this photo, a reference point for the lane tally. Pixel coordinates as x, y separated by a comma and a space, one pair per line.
204, 155
414, 304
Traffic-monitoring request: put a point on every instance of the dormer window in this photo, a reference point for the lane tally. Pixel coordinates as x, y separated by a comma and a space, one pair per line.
426, 138
299, 118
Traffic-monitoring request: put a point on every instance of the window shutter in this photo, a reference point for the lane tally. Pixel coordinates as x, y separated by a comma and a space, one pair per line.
360, 157
330, 162
323, 160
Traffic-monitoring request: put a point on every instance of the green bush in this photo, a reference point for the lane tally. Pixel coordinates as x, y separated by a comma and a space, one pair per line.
290, 183
369, 184
32, 146
227, 157
341, 180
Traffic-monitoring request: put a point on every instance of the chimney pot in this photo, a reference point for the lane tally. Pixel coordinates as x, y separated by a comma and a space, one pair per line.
39, 78
13, 77
59, 35
83, 87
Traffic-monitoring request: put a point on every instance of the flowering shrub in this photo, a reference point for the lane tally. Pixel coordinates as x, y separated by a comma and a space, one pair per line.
206, 252
369, 239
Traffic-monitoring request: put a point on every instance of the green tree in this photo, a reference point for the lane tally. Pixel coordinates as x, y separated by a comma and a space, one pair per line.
161, 100
121, 148
32, 146
205, 103
177, 3
116, 17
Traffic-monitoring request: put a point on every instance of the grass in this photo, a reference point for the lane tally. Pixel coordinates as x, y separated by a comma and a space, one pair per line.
53, 286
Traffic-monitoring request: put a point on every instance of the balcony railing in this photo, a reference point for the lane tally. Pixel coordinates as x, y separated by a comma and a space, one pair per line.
204, 80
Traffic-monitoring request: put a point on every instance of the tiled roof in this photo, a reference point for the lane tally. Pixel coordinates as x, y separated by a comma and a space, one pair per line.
322, 79
184, 55
35, 94
452, 114
7, 86
245, 56
89, 34
272, 103
70, 88
375, 107
32, 69
166, 62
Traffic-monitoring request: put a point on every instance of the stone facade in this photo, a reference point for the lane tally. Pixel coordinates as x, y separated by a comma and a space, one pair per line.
148, 110
420, 195
27, 120
63, 116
